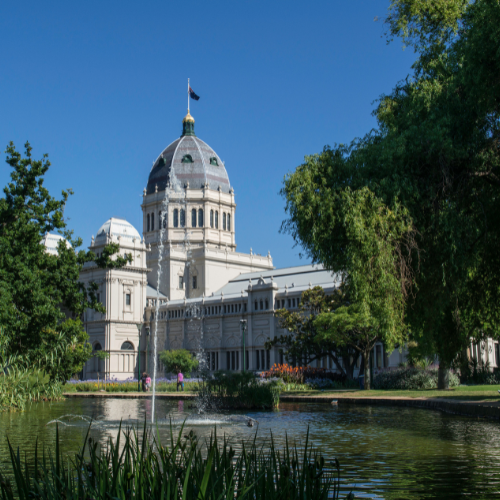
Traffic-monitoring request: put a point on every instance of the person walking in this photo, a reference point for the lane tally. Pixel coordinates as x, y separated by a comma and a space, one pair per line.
143, 381
148, 382
180, 381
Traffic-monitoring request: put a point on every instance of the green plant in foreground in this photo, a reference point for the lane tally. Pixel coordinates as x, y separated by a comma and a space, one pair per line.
20, 386
142, 468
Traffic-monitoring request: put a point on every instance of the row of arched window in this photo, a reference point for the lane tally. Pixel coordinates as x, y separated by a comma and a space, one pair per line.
197, 219
214, 220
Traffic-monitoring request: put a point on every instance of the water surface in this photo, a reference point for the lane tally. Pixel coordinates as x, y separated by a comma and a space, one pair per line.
384, 452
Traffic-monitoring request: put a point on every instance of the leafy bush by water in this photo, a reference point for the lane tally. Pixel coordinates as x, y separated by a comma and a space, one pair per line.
240, 390
20, 386
144, 468
410, 378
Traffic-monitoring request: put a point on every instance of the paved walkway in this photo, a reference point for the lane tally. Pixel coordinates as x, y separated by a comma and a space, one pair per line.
479, 409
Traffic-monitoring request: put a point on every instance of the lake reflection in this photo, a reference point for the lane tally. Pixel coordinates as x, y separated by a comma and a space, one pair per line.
384, 452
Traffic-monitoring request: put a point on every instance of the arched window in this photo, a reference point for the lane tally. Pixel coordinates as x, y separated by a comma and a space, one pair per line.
176, 217
216, 219
200, 217
211, 218
229, 222
267, 304
193, 217
187, 159
97, 347
224, 221
148, 226
256, 306
183, 218
127, 346
152, 222
213, 161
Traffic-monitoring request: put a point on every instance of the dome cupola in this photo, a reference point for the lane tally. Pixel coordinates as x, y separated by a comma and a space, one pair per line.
188, 125
188, 160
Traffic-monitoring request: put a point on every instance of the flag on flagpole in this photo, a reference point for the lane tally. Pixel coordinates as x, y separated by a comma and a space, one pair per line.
192, 94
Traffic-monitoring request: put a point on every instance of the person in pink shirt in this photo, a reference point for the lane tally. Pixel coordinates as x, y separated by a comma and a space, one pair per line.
148, 382
180, 381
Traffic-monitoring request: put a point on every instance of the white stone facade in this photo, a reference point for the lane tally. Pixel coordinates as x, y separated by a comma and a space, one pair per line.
207, 288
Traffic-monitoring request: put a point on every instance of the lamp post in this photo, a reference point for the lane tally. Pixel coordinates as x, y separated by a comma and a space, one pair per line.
139, 328
243, 323
147, 349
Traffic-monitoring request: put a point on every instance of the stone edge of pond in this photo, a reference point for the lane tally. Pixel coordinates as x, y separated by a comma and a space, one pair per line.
464, 408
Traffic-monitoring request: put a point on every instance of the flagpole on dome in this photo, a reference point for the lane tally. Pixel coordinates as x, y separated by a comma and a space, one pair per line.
188, 95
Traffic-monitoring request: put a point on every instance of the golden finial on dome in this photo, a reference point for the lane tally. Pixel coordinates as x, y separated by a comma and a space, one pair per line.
188, 118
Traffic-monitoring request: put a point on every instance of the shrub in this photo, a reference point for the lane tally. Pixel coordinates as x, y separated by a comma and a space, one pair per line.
410, 378
300, 374
144, 468
179, 360
240, 390
476, 374
326, 383
20, 386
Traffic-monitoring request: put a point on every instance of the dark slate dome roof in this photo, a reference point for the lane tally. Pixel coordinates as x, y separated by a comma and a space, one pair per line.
188, 159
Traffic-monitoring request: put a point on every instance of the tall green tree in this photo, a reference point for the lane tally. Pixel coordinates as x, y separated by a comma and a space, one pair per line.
178, 361
435, 153
42, 300
301, 341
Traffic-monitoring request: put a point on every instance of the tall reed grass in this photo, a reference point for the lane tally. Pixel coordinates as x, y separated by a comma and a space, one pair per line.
143, 468
20, 386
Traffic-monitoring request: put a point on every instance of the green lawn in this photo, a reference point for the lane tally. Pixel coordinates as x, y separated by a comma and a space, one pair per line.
466, 393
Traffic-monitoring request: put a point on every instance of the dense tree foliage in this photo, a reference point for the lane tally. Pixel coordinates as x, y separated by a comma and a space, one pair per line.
178, 361
434, 159
301, 340
41, 298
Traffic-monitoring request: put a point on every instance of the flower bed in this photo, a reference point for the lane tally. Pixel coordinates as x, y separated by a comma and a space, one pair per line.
128, 385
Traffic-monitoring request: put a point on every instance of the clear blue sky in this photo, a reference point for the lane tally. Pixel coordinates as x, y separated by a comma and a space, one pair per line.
101, 87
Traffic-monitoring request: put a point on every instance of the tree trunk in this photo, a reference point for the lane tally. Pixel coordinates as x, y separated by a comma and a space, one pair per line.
443, 376
366, 356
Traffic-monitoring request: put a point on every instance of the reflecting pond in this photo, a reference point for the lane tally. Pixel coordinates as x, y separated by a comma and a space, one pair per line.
384, 452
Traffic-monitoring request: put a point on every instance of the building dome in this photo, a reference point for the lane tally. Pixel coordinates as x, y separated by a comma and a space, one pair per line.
115, 227
188, 159
50, 241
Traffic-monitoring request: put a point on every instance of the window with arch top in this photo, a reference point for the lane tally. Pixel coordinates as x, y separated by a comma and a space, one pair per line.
211, 218
229, 222
216, 219
200, 217
127, 346
176, 217
224, 221
152, 222
148, 223
213, 161
183, 218
97, 347
187, 159
193, 217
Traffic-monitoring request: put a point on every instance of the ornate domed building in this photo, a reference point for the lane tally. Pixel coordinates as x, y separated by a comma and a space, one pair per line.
206, 288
